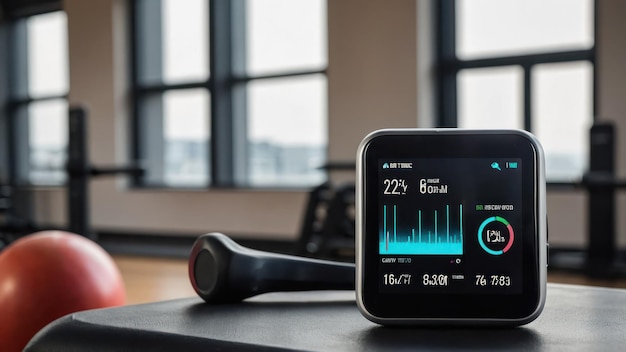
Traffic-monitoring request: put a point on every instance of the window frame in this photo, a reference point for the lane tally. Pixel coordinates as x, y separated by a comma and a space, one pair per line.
448, 67
226, 86
16, 106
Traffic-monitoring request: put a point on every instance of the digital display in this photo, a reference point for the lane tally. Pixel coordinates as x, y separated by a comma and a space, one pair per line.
451, 226
448, 225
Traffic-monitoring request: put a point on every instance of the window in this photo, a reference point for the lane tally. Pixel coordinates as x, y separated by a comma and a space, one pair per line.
230, 93
37, 104
521, 64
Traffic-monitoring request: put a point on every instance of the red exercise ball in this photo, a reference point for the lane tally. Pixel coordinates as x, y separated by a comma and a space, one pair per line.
47, 275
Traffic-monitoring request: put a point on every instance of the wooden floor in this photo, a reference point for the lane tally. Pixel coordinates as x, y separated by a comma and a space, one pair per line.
156, 279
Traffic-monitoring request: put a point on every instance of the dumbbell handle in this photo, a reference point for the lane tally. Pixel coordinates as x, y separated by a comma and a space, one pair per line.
221, 270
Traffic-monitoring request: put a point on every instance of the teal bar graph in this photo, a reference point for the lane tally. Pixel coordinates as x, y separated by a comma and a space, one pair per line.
436, 232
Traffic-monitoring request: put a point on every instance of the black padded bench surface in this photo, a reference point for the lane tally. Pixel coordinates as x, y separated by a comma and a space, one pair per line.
575, 317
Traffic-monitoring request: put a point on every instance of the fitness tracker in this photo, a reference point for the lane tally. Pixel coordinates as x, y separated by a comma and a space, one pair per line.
451, 227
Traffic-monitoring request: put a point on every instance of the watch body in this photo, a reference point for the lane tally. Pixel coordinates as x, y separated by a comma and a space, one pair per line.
451, 227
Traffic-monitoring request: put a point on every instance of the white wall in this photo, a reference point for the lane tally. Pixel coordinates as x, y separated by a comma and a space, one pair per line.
379, 67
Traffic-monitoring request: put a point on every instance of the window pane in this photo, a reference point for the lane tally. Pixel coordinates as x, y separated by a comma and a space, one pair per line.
287, 131
511, 27
562, 115
47, 141
286, 35
172, 41
186, 134
490, 98
185, 40
47, 54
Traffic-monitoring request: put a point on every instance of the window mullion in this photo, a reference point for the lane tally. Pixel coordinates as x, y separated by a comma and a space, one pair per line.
239, 91
222, 126
527, 97
148, 107
446, 53
18, 129
4, 88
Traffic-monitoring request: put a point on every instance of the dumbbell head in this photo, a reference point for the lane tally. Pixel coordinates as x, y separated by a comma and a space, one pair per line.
221, 270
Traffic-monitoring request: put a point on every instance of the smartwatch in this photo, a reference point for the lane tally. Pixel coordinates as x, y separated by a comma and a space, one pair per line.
451, 227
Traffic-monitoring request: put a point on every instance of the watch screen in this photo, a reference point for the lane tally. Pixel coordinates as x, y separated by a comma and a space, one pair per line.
448, 225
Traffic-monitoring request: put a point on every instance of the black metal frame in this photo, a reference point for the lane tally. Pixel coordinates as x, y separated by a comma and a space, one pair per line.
448, 66
226, 85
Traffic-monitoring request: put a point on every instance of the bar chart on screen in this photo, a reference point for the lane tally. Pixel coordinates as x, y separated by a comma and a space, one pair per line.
433, 231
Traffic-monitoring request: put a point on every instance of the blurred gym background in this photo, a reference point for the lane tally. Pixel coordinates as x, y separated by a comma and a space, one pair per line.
142, 124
